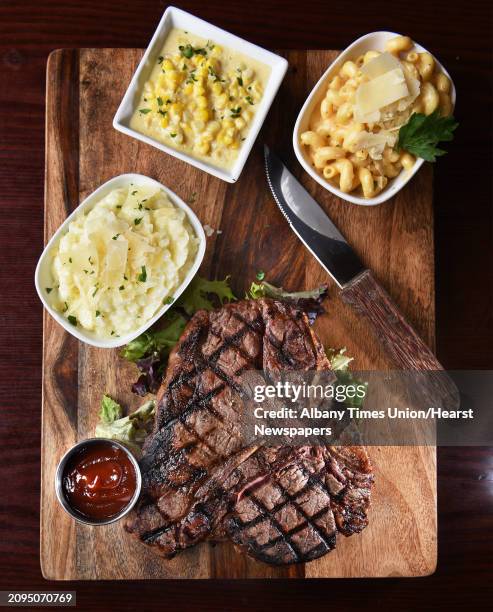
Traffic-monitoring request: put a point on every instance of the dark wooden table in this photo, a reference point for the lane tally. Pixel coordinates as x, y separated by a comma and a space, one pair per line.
461, 34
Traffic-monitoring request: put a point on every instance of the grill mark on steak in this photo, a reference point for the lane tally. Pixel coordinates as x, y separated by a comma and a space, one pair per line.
281, 505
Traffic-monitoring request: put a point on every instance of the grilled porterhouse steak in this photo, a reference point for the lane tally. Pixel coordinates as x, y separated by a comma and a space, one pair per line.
281, 504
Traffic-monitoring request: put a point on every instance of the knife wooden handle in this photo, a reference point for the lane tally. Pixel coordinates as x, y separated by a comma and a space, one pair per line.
405, 346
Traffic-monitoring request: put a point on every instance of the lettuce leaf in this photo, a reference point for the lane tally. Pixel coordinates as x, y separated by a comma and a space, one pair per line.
110, 410
197, 295
308, 301
130, 430
339, 362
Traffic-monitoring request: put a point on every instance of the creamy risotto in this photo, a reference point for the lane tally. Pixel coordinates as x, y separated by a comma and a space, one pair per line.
200, 98
120, 262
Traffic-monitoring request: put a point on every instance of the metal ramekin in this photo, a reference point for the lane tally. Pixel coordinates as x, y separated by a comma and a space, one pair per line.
59, 482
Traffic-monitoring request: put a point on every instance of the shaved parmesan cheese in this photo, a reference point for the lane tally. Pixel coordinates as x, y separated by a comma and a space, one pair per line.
373, 117
375, 143
115, 261
380, 65
381, 91
414, 87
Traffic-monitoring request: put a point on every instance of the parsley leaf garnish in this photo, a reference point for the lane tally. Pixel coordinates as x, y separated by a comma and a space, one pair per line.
422, 133
72, 320
49, 289
142, 277
144, 111
160, 101
137, 221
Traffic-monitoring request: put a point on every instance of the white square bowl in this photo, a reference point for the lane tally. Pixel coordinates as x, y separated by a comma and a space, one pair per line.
368, 42
176, 18
43, 279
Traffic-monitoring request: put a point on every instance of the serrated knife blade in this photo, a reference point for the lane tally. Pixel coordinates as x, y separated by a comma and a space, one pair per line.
359, 289
310, 223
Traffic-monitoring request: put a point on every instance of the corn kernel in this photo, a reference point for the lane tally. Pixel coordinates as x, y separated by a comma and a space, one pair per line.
188, 89
167, 65
203, 148
164, 122
235, 144
228, 123
201, 114
240, 123
202, 102
221, 101
199, 89
214, 127
176, 109
217, 88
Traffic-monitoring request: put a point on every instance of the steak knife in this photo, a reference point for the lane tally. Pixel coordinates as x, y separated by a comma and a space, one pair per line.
358, 286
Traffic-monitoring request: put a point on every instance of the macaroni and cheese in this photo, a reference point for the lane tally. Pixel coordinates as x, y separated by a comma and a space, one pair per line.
200, 98
118, 264
354, 130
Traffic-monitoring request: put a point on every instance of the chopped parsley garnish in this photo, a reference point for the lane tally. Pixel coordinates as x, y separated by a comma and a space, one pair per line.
86, 271
124, 277
168, 300
121, 287
49, 289
144, 111
89, 259
95, 290
134, 192
235, 112
142, 277
191, 78
159, 101
249, 99
138, 220
97, 313
70, 260
118, 205
160, 59
162, 112
240, 81
188, 51
115, 237
112, 333
422, 133
65, 306
72, 320
172, 135
260, 275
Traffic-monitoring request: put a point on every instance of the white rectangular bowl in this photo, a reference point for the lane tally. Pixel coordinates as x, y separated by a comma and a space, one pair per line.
373, 41
42, 277
176, 18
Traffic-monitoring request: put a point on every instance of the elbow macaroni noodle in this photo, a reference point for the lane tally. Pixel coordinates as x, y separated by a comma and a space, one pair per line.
354, 152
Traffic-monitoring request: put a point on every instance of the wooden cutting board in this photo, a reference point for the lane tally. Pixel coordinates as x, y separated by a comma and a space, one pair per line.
84, 88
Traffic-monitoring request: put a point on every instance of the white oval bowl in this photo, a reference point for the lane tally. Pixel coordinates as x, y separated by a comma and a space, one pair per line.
368, 42
176, 18
42, 276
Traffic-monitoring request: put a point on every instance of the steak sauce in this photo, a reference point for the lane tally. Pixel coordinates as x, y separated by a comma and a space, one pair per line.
99, 481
